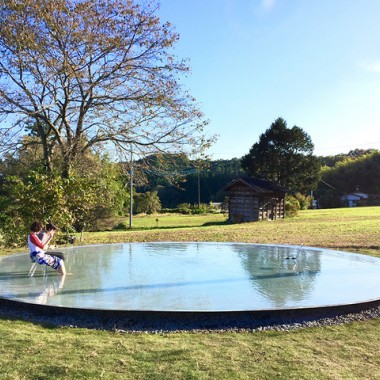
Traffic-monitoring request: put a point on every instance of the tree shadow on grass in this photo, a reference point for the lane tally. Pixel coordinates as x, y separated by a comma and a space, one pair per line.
152, 228
220, 223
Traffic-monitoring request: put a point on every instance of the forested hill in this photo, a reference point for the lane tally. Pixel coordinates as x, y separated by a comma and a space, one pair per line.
357, 171
343, 173
195, 179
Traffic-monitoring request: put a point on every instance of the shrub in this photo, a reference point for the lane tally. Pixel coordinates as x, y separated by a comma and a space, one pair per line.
121, 227
184, 208
148, 202
203, 208
305, 201
292, 206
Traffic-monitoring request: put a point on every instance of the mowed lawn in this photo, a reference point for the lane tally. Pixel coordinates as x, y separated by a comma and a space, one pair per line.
348, 351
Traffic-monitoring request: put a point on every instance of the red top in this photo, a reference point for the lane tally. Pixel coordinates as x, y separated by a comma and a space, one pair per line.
34, 242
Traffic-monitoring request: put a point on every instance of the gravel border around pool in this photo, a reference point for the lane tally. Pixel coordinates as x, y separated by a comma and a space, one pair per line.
160, 322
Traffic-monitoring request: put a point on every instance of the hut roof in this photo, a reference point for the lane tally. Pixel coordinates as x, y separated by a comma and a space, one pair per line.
257, 185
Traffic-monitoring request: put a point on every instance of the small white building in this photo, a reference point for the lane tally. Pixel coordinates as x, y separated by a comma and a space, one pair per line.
354, 199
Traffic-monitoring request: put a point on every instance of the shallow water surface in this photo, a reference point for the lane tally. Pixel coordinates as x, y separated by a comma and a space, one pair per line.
195, 277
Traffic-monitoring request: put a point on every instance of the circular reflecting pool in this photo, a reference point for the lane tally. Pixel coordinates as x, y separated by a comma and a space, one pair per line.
195, 277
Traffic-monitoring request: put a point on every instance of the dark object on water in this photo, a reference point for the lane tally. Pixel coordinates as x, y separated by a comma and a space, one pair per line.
56, 254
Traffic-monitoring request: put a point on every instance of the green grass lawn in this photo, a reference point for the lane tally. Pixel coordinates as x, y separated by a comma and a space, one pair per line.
349, 351
350, 229
141, 222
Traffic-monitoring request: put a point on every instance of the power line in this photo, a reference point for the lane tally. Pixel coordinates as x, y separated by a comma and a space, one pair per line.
327, 184
349, 146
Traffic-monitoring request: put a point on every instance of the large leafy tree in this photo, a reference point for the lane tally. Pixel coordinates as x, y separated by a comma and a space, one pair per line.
284, 155
79, 201
79, 74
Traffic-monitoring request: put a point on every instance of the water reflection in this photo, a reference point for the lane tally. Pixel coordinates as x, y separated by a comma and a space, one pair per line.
283, 275
15, 283
48, 288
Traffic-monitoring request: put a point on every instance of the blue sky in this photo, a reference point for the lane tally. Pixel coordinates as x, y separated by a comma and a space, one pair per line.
315, 63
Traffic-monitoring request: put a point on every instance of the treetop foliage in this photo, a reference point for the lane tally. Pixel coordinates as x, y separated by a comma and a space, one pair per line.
331, 161
284, 155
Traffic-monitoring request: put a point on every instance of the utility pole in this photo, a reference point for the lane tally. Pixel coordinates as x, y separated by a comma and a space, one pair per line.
199, 187
131, 191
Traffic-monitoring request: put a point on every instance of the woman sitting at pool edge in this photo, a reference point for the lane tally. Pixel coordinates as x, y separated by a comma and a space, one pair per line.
37, 249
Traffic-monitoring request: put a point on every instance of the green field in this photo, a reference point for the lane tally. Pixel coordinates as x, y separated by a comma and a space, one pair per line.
348, 351
348, 228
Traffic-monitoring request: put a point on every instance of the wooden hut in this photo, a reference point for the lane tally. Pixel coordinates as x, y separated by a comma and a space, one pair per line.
251, 199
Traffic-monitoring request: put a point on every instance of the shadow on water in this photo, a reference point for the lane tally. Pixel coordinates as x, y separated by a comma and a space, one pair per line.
175, 284
12, 275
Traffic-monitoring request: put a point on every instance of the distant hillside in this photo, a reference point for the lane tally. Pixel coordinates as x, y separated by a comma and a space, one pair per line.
358, 171
206, 178
180, 180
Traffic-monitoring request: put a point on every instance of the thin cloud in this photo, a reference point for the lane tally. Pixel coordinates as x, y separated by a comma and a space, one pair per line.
268, 5
373, 67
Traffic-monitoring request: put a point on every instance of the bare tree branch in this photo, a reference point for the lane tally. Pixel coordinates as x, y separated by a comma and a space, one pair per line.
93, 72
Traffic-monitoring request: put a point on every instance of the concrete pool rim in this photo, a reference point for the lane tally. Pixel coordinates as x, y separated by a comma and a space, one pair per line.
134, 320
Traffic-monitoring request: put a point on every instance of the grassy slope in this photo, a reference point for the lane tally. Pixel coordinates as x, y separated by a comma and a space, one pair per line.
337, 352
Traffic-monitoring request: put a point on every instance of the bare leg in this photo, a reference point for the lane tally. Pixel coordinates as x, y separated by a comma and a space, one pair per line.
61, 281
62, 268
